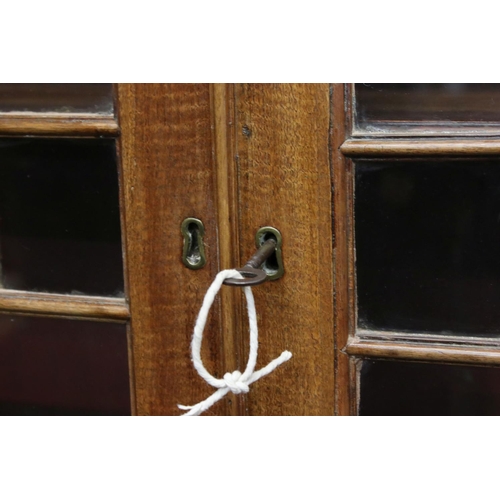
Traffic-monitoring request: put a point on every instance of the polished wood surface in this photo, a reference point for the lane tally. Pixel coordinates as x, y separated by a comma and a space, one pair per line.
222, 100
240, 157
167, 175
58, 124
284, 181
343, 256
436, 353
384, 148
52, 304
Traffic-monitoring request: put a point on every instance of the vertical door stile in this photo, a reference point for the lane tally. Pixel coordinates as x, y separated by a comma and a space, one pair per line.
168, 175
344, 281
231, 305
283, 139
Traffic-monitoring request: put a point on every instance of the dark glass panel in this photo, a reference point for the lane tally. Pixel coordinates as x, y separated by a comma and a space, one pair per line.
428, 246
383, 107
399, 388
57, 97
51, 366
59, 216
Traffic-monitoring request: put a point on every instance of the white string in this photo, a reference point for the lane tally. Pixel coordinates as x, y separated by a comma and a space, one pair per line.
236, 381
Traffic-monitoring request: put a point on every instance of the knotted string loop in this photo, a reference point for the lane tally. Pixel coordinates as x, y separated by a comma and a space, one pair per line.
236, 381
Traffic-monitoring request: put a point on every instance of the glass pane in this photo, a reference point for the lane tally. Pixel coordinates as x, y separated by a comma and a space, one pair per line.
57, 97
428, 246
51, 366
386, 107
59, 216
399, 388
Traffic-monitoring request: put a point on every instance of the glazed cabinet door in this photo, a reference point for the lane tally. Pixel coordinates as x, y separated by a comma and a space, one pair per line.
416, 180
386, 199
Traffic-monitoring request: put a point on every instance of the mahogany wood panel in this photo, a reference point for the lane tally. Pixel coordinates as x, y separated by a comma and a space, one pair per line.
168, 175
282, 142
376, 148
51, 304
58, 124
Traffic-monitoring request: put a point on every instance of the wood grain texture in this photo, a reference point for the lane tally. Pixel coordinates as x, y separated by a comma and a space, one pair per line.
222, 101
443, 354
58, 124
282, 139
51, 304
377, 148
344, 318
168, 175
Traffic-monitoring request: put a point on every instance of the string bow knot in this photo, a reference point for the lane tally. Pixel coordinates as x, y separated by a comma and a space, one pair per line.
236, 381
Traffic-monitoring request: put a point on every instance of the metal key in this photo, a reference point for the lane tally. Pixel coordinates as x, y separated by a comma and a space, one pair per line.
251, 271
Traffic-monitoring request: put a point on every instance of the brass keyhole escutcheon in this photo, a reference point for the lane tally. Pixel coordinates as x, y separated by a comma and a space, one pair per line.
193, 252
265, 264
273, 265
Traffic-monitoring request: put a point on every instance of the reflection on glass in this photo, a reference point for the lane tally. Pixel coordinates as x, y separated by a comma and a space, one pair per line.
57, 97
399, 388
59, 216
428, 246
385, 107
52, 366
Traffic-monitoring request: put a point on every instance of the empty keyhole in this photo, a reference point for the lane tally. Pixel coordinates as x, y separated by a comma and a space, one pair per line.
194, 254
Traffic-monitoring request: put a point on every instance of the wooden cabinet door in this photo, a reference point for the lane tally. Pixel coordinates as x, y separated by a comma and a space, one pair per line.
283, 171
416, 242
64, 345
97, 307
386, 197
237, 157
365, 183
